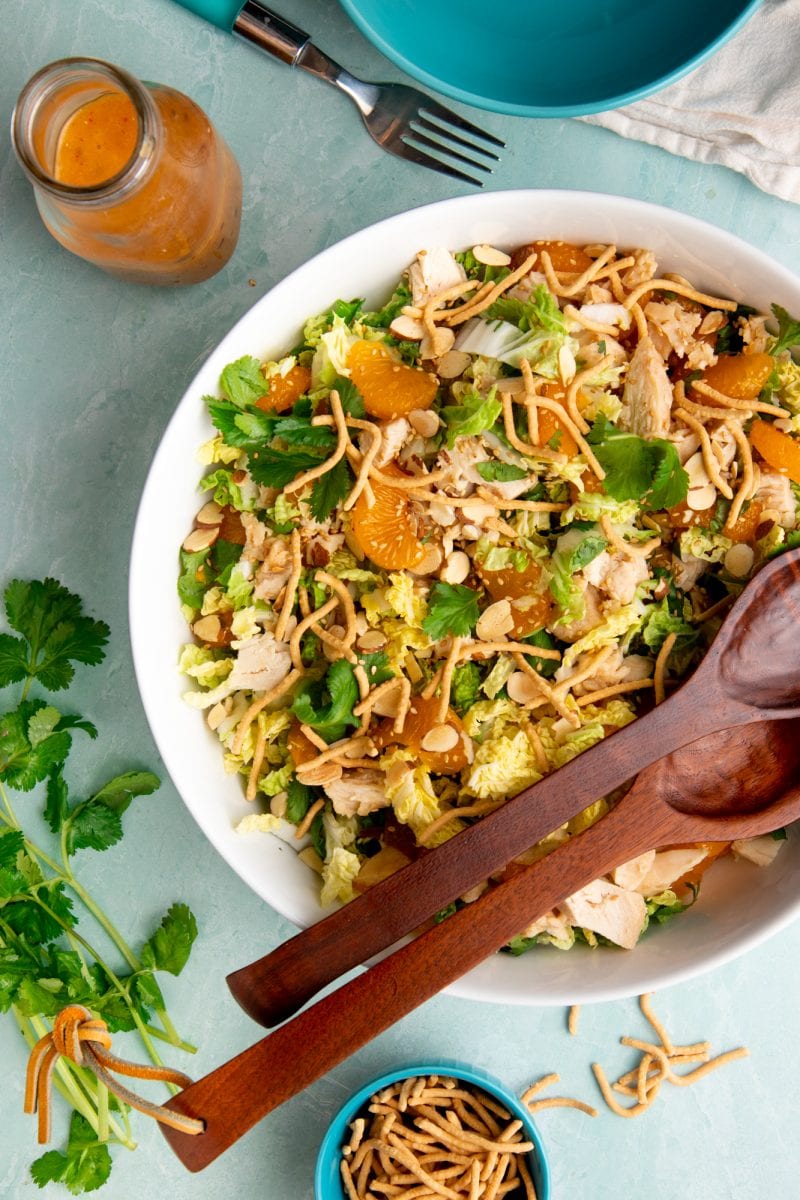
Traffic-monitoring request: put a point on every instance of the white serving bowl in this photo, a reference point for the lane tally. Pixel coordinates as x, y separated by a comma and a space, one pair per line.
740, 904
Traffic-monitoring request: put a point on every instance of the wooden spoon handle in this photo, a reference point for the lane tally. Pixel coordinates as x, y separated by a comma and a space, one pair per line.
276, 986
235, 1096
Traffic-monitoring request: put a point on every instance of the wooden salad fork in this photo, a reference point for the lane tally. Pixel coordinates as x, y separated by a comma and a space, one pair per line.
688, 797
751, 673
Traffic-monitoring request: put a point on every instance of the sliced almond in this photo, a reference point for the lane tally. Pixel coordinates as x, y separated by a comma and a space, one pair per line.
331, 652
522, 688
477, 510
209, 630
453, 363
310, 857
210, 514
695, 468
440, 739
442, 341
456, 567
739, 560
431, 562
326, 772
512, 384
490, 256
495, 622
567, 366
200, 539
407, 328
701, 498
277, 805
424, 422
372, 640
216, 715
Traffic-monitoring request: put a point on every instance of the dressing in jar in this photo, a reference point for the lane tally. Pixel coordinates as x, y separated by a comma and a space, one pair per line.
130, 176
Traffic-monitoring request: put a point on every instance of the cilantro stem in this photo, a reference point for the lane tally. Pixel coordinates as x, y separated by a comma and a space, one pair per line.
102, 1112
65, 873
74, 936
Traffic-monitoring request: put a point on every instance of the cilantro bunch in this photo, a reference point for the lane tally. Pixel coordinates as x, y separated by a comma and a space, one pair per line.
46, 960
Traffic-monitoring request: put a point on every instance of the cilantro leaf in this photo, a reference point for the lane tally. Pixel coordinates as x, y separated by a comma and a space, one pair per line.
545, 666
276, 468
472, 416
243, 381
146, 993
13, 659
500, 472
119, 791
93, 826
25, 763
377, 667
30, 920
586, 551
193, 579
84, 1168
298, 431
330, 489
788, 330
168, 949
453, 609
327, 707
350, 397
51, 620
636, 469
223, 416
298, 801
57, 801
10, 845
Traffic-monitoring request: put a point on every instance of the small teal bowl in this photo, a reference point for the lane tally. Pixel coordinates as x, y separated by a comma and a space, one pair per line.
327, 1177
532, 58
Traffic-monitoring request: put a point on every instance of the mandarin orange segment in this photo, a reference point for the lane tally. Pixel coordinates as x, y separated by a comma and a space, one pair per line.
778, 449
301, 750
530, 607
563, 255
551, 426
741, 376
420, 719
745, 526
388, 532
285, 390
390, 388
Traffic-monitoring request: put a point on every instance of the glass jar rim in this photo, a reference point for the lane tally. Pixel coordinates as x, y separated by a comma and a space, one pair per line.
36, 91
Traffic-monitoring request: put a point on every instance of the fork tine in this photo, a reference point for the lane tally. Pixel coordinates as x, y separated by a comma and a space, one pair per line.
442, 147
440, 113
449, 136
412, 154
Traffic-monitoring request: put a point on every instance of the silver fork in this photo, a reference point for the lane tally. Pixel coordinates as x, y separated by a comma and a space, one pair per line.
401, 119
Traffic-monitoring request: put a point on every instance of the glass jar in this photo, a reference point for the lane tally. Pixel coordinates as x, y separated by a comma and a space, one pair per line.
131, 176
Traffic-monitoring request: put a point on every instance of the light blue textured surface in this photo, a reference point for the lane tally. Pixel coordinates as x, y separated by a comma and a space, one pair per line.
91, 370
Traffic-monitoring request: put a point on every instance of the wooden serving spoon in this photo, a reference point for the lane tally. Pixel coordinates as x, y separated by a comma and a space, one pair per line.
751, 673
689, 797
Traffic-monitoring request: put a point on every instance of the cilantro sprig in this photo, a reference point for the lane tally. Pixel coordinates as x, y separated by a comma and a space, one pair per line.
788, 330
48, 955
453, 609
649, 471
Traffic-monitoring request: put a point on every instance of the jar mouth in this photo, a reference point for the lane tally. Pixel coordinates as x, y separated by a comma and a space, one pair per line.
43, 89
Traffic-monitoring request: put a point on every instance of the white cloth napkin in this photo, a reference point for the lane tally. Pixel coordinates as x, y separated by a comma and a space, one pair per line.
741, 108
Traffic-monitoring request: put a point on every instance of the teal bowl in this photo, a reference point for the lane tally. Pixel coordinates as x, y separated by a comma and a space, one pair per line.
537, 58
327, 1178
